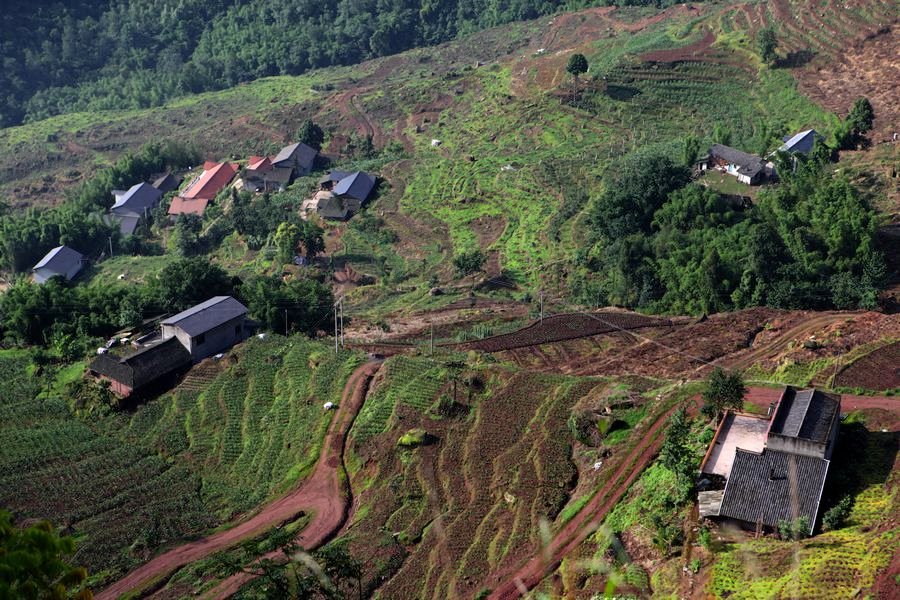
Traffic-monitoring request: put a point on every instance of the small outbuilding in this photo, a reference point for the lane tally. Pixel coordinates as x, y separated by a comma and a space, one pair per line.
62, 261
801, 143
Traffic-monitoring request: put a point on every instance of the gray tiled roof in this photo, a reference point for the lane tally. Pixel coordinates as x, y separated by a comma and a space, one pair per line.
60, 260
774, 486
145, 365
207, 315
801, 142
305, 154
748, 164
139, 197
357, 185
806, 414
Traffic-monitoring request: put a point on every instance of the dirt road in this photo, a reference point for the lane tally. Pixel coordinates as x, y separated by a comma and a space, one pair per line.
801, 330
509, 585
322, 494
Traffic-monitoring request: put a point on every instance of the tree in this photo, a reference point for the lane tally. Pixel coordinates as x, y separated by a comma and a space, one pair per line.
690, 151
188, 281
577, 66
33, 563
724, 389
297, 305
469, 262
286, 238
861, 117
311, 134
187, 234
310, 236
767, 42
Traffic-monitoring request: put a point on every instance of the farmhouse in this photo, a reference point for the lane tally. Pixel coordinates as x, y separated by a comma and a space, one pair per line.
185, 338
298, 157
801, 143
260, 176
150, 364
204, 189
748, 168
132, 205
762, 471
62, 261
167, 183
354, 190
209, 327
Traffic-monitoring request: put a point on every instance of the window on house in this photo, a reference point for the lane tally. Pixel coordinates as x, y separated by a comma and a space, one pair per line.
201, 339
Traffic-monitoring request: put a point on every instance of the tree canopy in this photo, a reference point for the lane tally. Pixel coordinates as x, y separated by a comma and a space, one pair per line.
724, 390
34, 563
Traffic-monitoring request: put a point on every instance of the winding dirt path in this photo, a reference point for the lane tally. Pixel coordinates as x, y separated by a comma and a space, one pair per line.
511, 584
322, 494
805, 327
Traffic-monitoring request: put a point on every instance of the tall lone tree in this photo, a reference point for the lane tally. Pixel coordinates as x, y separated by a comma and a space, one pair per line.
724, 389
311, 134
577, 66
767, 42
861, 116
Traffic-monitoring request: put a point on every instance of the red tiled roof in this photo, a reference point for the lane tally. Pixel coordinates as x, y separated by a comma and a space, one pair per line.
209, 164
211, 182
259, 163
188, 206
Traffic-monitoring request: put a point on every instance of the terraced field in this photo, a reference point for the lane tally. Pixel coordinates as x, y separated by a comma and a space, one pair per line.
119, 499
126, 484
474, 496
878, 370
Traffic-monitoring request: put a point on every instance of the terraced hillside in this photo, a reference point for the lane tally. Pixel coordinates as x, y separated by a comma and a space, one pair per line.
229, 438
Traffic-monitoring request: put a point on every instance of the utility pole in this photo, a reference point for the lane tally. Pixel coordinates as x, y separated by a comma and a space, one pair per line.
342, 320
542, 305
335, 329
432, 338
110, 247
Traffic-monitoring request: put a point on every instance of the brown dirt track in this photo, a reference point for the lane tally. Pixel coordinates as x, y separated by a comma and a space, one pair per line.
322, 494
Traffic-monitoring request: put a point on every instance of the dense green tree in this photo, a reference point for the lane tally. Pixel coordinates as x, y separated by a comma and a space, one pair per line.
35, 563
637, 187
311, 134
724, 390
861, 116
576, 67
186, 236
767, 43
187, 282
468, 262
286, 238
302, 305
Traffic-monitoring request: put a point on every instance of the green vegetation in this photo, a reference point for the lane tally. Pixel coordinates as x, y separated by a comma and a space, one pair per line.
100, 55
34, 563
231, 437
724, 390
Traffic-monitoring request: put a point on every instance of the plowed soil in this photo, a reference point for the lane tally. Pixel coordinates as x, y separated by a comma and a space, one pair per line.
879, 370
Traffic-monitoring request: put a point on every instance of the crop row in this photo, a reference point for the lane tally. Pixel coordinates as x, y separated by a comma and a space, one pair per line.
565, 327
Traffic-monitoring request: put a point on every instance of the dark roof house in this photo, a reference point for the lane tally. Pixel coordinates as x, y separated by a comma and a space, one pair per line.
62, 261
141, 368
167, 183
774, 486
208, 327
355, 189
748, 168
801, 143
298, 157
773, 470
133, 205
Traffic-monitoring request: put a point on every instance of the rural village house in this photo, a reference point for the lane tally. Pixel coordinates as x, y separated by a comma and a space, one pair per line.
298, 157
133, 205
185, 338
341, 194
801, 143
773, 468
748, 168
204, 189
167, 183
62, 261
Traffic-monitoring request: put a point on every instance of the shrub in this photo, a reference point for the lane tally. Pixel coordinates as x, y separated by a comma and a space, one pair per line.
836, 516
